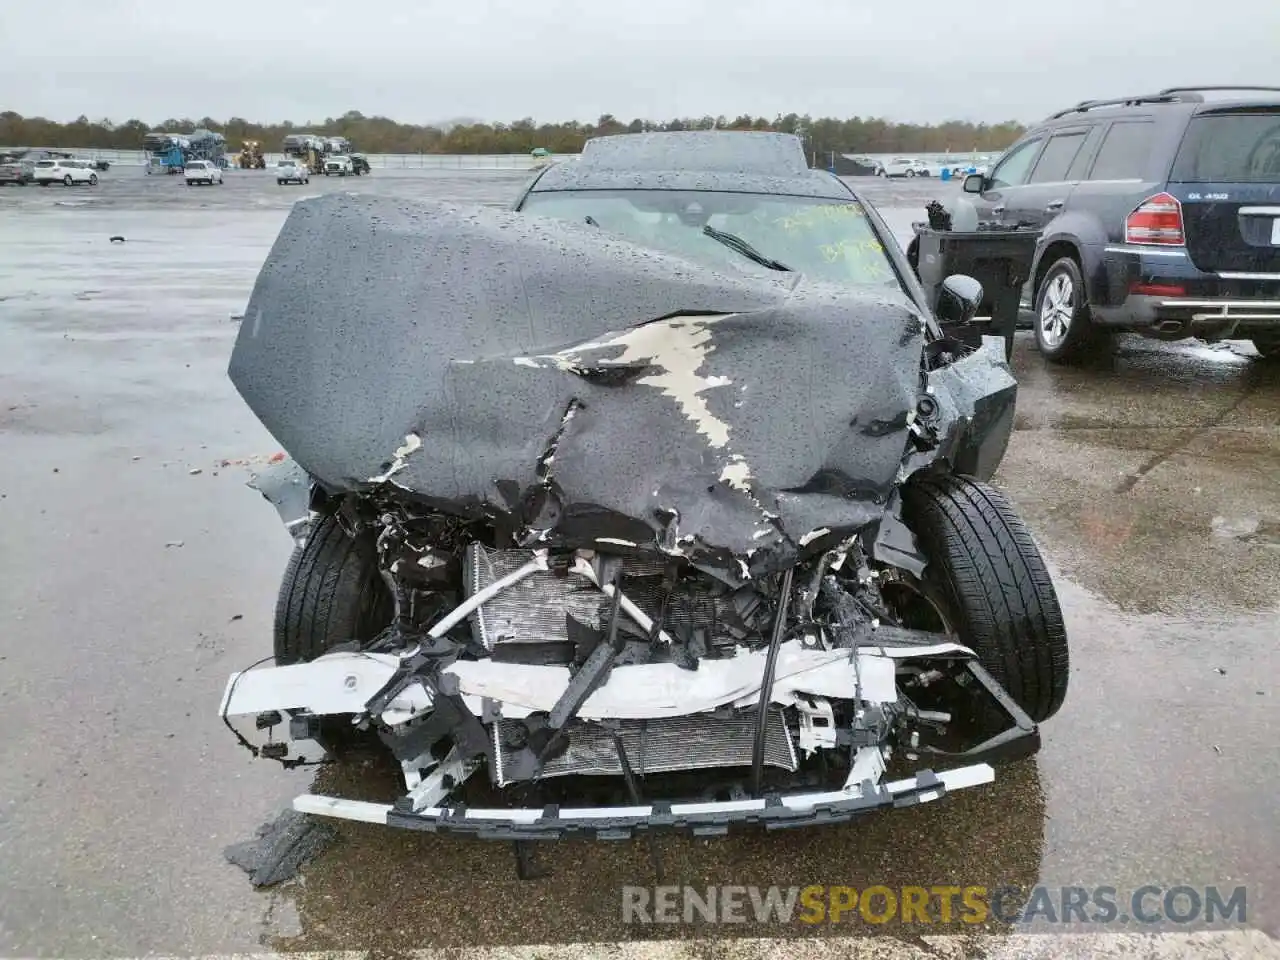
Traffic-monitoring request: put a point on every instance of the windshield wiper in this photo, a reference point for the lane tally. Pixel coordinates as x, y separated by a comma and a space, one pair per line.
735, 242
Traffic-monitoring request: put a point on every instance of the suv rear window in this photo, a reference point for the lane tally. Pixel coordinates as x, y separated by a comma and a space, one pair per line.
1230, 148
45, 163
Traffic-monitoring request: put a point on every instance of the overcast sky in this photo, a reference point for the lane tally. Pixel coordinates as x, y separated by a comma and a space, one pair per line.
427, 60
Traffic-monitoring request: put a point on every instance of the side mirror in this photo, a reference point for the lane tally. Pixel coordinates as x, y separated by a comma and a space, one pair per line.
974, 183
958, 300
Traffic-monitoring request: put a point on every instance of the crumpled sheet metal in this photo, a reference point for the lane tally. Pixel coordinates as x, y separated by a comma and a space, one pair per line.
575, 385
286, 486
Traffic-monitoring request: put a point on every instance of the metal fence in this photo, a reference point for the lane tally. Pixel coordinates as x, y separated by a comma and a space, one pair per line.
393, 161
505, 161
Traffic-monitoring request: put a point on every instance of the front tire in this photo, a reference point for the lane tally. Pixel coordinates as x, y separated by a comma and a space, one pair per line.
93, 179
991, 582
1065, 331
67, 181
331, 594
1268, 346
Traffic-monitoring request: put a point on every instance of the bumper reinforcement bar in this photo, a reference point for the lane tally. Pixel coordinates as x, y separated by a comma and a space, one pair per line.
619, 823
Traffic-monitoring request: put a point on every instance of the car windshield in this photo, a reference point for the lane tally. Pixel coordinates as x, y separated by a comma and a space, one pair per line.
828, 240
1230, 148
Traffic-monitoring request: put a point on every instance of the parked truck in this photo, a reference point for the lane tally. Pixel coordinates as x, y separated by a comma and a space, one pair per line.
169, 153
166, 152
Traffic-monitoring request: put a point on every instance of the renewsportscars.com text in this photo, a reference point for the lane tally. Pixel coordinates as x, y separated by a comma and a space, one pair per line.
941, 904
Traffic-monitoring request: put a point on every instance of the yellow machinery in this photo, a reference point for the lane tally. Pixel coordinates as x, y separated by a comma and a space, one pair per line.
251, 156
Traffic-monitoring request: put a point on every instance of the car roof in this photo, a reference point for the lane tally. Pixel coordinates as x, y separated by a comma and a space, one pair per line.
711, 160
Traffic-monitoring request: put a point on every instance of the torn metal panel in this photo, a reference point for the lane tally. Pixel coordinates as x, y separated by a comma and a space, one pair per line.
974, 400
710, 407
288, 488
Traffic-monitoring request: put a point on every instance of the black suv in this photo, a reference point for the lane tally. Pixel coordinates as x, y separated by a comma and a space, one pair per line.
1161, 216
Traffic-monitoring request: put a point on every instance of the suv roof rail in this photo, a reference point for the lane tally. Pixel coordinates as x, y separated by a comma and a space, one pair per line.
1218, 88
1172, 95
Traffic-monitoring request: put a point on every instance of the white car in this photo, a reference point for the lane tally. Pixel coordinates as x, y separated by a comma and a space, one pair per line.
202, 171
292, 171
337, 165
65, 172
904, 167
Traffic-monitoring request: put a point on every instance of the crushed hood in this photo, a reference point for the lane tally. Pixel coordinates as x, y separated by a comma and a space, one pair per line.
576, 388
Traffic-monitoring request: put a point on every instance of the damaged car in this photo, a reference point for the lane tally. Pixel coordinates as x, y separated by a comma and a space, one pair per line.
596, 539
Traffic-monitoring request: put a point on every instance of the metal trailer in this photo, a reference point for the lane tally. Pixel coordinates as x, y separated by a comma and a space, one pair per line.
166, 152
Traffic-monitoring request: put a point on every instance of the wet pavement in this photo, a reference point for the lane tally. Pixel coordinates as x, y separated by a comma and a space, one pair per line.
131, 585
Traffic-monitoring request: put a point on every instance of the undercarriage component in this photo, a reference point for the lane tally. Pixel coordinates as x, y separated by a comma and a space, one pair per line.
700, 818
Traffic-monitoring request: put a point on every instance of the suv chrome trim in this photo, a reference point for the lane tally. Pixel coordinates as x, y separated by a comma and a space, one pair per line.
1225, 305
1146, 250
1259, 211
1240, 275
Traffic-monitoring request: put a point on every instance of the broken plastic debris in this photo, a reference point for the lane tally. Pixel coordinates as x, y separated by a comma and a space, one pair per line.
281, 848
194, 470
174, 543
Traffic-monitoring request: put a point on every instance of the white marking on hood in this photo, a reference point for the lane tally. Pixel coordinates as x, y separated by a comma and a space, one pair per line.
737, 474
677, 347
412, 443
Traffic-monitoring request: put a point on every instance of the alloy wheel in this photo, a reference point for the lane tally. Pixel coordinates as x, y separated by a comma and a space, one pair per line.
1057, 310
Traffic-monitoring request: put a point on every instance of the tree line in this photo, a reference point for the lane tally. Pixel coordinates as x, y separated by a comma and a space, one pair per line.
382, 135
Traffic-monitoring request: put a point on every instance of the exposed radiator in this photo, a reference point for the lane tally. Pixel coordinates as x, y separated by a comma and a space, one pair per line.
696, 742
534, 610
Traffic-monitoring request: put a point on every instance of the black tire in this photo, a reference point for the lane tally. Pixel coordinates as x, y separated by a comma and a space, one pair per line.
1268, 346
67, 181
331, 594
1064, 327
93, 179
991, 581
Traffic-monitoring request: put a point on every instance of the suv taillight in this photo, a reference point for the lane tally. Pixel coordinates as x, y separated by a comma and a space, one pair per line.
1158, 220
